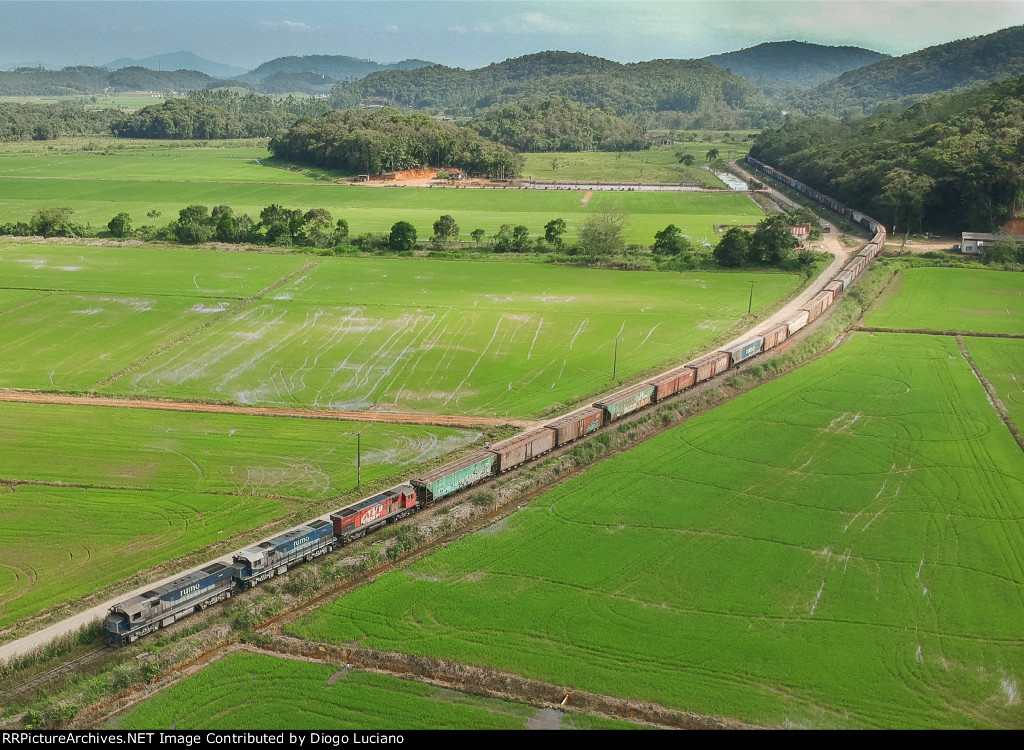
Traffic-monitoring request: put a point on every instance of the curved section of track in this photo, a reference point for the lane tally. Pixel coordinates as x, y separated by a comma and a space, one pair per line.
33, 641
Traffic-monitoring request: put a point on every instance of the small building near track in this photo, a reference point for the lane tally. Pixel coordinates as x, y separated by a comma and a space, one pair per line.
974, 243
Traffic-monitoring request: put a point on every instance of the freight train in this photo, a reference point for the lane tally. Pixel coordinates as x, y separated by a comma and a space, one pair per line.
164, 605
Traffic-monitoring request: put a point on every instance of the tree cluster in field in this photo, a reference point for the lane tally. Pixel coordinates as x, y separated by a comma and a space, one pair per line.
82, 79
44, 122
770, 244
217, 114
954, 162
384, 140
539, 124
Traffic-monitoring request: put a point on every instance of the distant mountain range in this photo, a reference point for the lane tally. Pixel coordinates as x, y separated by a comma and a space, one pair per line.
178, 61
796, 62
746, 88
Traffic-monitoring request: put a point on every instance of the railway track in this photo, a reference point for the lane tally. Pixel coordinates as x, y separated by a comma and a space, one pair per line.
45, 677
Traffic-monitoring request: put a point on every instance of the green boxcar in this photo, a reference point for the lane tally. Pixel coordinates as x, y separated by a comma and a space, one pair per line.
455, 476
627, 401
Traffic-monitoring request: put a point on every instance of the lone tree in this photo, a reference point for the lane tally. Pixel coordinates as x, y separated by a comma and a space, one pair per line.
712, 155
445, 232
477, 235
732, 250
670, 241
402, 238
55, 222
772, 240
686, 160
553, 232
602, 234
120, 226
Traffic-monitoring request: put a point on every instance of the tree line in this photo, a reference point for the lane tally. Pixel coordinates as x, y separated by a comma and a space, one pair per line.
599, 241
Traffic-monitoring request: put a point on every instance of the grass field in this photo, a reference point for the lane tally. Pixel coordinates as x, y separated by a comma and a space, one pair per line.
842, 547
954, 299
113, 101
250, 691
425, 335
657, 164
100, 179
143, 487
1002, 362
484, 338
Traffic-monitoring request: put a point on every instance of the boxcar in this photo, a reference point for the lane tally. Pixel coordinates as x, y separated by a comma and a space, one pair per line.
744, 350
774, 336
672, 382
836, 287
626, 402
522, 448
846, 277
797, 322
818, 305
710, 365
576, 425
363, 517
453, 477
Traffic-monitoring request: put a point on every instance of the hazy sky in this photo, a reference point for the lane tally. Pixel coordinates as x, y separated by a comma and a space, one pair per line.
473, 33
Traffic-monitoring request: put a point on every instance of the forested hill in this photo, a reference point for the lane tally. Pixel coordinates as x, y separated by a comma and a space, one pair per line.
953, 162
796, 62
316, 73
90, 80
381, 140
903, 80
659, 85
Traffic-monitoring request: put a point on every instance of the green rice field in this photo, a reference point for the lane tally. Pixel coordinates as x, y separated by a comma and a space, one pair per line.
91, 495
1001, 361
166, 177
440, 337
841, 547
954, 299
250, 691
350, 333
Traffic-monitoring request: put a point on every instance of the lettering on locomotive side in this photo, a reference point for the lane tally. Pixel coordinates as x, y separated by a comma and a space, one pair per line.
372, 514
300, 542
190, 590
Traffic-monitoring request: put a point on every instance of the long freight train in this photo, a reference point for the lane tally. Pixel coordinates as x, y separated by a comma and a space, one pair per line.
164, 605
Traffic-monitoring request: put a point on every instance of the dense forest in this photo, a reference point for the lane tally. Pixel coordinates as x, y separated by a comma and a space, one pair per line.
218, 114
382, 140
900, 81
44, 122
539, 124
691, 87
953, 162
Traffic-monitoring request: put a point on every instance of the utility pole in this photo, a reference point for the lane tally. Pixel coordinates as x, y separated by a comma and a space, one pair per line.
615, 361
750, 302
359, 460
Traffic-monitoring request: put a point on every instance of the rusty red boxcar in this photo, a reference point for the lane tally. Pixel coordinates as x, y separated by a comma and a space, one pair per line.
672, 382
523, 447
710, 365
579, 423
